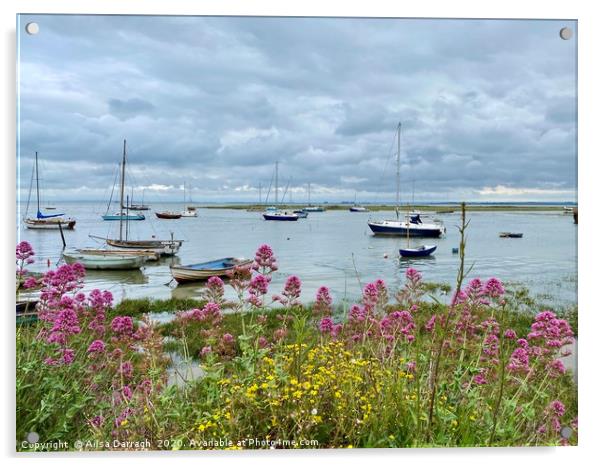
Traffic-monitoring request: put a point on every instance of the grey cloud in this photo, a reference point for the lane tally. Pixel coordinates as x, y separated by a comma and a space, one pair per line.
482, 103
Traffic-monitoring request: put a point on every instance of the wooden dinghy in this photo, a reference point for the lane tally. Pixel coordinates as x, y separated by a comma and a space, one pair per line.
205, 270
149, 254
110, 261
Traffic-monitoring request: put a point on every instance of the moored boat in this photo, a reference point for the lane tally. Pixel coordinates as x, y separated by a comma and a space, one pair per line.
123, 216
508, 234
205, 270
358, 208
49, 223
168, 215
281, 215
165, 247
412, 224
99, 261
42, 221
149, 254
420, 251
300, 213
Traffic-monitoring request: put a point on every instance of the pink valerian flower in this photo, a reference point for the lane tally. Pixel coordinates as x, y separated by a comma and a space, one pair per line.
239, 279
556, 368
265, 261
211, 313
412, 291
549, 333
262, 342
552, 416
68, 356
396, 324
127, 392
280, 333
24, 255
336, 330
227, 338
326, 325
494, 288
126, 369
458, 298
323, 304
519, 361
96, 347
214, 291
258, 288
411, 366
510, 334
120, 420
206, 350
97, 421
292, 291
357, 314
474, 290
98, 303
479, 379
30, 282
123, 325
430, 325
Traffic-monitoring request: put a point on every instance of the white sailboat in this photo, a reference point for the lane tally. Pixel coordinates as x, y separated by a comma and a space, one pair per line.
42, 221
412, 224
277, 214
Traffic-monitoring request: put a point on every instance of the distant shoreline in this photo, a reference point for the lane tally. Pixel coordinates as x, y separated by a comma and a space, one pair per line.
444, 208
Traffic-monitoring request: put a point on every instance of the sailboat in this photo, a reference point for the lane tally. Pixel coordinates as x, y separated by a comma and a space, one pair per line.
412, 224
41, 221
142, 206
121, 215
190, 210
357, 208
311, 208
167, 247
277, 214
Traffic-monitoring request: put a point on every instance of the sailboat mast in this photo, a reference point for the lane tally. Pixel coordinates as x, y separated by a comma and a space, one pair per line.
276, 184
260, 198
398, 159
37, 183
309, 194
122, 192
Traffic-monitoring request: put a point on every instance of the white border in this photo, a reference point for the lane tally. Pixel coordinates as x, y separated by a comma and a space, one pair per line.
590, 111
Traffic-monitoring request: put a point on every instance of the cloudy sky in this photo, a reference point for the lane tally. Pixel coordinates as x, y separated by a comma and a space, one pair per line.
487, 107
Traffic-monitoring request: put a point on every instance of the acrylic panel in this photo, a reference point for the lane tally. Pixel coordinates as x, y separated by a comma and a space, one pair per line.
278, 232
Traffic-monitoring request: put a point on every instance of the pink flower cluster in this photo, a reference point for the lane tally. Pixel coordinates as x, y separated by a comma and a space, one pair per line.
258, 288
265, 261
211, 313
291, 293
323, 303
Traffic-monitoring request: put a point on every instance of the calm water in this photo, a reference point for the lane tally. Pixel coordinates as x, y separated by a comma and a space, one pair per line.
334, 248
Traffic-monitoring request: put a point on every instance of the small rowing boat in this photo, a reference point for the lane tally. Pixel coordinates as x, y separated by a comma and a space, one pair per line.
420, 251
106, 261
508, 234
150, 254
205, 270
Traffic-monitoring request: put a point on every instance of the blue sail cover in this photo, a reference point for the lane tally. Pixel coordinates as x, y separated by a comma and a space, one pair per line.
41, 215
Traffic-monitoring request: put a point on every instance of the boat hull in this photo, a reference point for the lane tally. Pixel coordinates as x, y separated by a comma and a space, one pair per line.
281, 217
49, 224
384, 229
358, 209
105, 262
206, 270
417, 252
300, 213
168, 215
136, 217
163, 247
